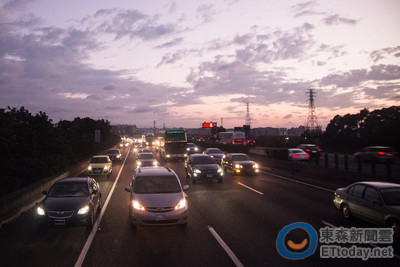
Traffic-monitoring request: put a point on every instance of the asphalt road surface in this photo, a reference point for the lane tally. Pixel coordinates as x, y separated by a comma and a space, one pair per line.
236, 222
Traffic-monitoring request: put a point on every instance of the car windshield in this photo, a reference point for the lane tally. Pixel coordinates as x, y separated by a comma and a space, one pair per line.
146, 156
190, 145
113, 151
203, 160
99, 160
240, 158
391, 196
156, 185
214, 151
69, 190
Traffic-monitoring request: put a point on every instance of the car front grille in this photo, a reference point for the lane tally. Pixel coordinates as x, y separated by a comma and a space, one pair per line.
160, 222
159, 209
60, 214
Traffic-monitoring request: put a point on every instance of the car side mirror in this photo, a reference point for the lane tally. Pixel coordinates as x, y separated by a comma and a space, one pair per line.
128, 189
185, 187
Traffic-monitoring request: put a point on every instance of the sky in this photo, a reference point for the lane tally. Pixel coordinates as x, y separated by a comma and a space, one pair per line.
184, 62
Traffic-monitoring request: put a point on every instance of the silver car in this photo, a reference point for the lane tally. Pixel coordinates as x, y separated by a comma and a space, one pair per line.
157, 198
215, 153
376, 202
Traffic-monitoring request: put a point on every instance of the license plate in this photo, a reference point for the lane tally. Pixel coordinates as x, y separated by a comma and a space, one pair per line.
160, 218
96, 171
210, 175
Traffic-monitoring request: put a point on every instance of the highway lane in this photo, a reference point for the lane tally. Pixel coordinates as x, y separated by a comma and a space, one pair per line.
22, 244
248, 223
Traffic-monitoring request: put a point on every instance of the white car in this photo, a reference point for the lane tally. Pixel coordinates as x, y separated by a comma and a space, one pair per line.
157, 197
298, 154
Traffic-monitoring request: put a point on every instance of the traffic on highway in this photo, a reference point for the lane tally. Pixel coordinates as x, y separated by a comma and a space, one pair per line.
166, 215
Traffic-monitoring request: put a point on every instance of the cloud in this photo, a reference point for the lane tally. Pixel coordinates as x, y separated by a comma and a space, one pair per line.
378, 55
206, 13
128, 23
355, 77
336, 20
174, 42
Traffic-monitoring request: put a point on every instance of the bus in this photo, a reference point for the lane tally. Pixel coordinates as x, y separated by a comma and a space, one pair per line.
174, 145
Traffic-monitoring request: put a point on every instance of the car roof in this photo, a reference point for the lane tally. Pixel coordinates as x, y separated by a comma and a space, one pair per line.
379, 184
73, 179
100, 156
199, 155
237, 154
155, 171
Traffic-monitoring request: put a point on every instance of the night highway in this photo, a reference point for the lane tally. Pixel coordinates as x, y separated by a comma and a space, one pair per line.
231, 223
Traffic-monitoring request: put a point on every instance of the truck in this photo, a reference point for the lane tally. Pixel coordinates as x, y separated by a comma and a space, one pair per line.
234, 138
174, 145
148, 139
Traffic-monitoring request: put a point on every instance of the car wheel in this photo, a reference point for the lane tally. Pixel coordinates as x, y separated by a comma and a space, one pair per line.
100, 204
395, 225
90, 221
345, 211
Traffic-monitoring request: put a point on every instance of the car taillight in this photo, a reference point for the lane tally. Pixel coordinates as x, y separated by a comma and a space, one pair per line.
296, 156
381, 153
320, 150
308, 150
307, 156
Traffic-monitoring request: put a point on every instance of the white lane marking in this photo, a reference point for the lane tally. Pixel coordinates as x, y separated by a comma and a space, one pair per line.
225, 247
89, 241
252, 189
370, 244
299, 182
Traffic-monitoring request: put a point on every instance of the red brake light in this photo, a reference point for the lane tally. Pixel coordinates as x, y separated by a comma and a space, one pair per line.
320, 149
307, 156
296, 156
381, 153
307, 149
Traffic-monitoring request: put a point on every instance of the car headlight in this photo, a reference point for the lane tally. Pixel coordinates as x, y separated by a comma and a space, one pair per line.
89, 168
196, 171
137, 206
212, 156
188, 149
83, 210
139, 163
40, 211
238, 166
255, 166
219, 170
196, 149
182, 203
155, 163
118, 156
168, 156
106, 167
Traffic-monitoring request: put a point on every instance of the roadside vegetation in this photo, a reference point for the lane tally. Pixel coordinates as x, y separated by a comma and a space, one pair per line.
33, 147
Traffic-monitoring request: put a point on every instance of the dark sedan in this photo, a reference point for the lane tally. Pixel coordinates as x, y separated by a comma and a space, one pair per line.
239, 163
313, 150
376, 202
202, 166
70, 201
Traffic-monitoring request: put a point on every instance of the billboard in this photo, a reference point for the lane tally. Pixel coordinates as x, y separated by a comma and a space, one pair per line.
209, 124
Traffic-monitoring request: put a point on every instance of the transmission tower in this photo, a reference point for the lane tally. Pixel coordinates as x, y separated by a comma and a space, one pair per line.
312, 125
248, 120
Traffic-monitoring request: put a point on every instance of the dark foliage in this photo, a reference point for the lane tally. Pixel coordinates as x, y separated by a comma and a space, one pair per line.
354, 131
33, 148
